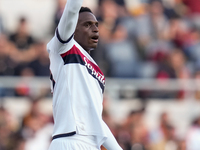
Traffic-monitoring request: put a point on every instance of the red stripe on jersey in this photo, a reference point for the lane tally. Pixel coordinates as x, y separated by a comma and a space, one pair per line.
75, 50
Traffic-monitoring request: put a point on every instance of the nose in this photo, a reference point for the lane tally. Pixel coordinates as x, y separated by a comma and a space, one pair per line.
95, 28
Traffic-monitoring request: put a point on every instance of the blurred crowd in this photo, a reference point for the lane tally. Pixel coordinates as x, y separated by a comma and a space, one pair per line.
33, 130
157, 39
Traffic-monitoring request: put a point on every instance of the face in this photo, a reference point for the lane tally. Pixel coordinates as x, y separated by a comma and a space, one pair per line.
87, 32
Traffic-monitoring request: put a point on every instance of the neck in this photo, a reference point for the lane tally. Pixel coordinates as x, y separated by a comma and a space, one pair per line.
88, 51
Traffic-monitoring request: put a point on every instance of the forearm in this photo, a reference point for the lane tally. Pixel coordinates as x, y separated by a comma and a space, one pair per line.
111, 143
68, 21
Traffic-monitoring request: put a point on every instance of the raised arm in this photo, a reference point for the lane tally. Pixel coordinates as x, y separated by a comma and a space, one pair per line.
69, 18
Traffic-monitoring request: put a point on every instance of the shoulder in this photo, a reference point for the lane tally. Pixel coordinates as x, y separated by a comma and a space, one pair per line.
56, 46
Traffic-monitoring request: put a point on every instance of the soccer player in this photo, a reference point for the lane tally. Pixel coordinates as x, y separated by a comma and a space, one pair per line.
77, 83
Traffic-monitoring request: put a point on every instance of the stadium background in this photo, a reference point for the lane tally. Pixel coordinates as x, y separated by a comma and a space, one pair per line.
149, 51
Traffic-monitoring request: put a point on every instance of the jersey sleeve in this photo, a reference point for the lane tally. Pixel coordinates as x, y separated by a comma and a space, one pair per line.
64, 33
110, 143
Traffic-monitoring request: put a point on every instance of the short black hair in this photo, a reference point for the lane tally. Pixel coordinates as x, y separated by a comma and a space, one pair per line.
85, 9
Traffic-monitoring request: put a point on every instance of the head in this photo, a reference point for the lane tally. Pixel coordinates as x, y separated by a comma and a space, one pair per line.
87, 32
23, 26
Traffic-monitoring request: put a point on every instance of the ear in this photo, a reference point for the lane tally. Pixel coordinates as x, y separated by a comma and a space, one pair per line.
76, 33
76, 30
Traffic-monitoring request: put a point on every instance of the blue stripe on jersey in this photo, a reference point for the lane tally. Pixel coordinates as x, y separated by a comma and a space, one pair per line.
73, 58
59, 38
52, 80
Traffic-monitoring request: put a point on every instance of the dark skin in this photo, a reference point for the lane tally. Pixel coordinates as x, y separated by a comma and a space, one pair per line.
87, 32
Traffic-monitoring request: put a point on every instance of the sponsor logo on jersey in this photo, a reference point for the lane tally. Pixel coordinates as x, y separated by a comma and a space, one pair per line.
94, 72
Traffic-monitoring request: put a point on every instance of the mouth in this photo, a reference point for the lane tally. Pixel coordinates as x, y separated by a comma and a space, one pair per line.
95, 38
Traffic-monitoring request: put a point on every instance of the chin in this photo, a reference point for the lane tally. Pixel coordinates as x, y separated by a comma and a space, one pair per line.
91, 46
94, 46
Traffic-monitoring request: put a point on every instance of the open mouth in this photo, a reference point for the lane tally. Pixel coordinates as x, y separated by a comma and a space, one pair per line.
95, 39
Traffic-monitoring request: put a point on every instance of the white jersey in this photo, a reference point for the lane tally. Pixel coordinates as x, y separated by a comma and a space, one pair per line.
77, 84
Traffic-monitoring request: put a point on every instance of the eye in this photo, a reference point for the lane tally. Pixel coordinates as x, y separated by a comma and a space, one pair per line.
87, 24
97, 24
